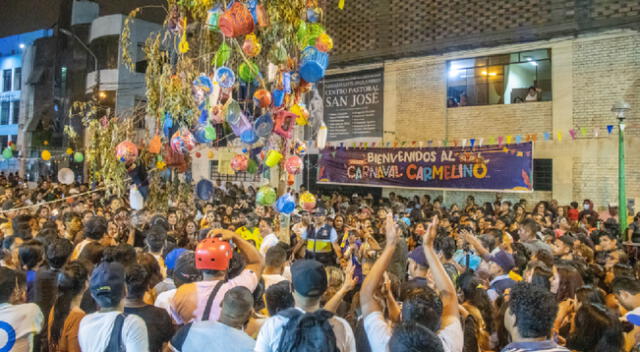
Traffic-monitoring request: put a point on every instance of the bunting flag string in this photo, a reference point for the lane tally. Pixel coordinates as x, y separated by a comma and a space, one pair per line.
557, 136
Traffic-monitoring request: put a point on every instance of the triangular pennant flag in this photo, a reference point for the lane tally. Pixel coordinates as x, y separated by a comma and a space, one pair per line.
609, 128
373, 144
559, 136
492, 140
527, 138
403, 143
446, 141
518, 139
430, 142
388, 144
420, 144
508, 139
480, 142
596, 132
395, 144
472, 142
534, 137
583, 131
500, 138
413, 143
464, 142
366, 145
547, 136
572, 133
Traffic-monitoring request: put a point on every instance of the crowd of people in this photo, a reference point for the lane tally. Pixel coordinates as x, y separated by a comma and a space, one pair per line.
80, 271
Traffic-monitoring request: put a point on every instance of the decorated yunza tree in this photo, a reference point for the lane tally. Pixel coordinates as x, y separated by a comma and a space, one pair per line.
221, 72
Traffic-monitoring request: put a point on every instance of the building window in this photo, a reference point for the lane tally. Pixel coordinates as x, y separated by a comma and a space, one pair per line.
238, 177
15, 116
140, 113
4, 142
500, 79
6, 80
543, 174
141, 59
17, 78
106, 48
4, 113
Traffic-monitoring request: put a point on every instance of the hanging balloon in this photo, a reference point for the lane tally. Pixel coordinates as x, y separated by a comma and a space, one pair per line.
222, 55
266, 196
262, 98
263, 125
324, 43
213, 16
307, 201
69, 151
286, 204
313, 64
225, 77
273, 158
293, 164
126, 151
135, 199
236, 21
239, 162
248, 71
204, 84
204, 189
78, 157
321, 139
46, 155
182, 142
65, 176
251, 46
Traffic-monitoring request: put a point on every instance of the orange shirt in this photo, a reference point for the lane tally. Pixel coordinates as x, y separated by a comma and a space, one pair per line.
68, 341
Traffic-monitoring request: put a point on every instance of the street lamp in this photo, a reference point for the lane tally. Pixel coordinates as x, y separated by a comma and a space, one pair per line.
620, 108
96, 89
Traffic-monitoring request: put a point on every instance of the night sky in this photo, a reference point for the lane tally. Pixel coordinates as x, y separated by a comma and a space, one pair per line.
19, 16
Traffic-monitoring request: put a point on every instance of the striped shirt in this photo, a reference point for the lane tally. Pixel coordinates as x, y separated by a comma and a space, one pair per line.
538, 346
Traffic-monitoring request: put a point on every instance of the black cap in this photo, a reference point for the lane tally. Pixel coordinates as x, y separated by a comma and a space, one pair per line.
309, 278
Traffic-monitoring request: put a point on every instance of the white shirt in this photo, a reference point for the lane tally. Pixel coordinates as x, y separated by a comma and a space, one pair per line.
269, 241
271, 331
95, 332
18, 324
379, 332
164, 300
272, 279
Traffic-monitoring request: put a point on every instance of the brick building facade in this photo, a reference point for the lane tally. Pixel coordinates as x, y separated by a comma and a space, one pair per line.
594, 58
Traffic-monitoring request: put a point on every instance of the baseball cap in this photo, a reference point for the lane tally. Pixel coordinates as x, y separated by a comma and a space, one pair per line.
172, 258
504, 260
107, 284
185, 269
417, 255
309, 278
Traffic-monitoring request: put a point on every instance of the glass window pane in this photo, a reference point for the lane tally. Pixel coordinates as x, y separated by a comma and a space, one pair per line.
17, 78
534, 55
106, 48
6, 80
499, 59
495, 79
518, 79
16, 112
4, 113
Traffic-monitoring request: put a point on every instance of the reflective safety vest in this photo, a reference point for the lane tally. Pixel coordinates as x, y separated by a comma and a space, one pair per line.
319, 240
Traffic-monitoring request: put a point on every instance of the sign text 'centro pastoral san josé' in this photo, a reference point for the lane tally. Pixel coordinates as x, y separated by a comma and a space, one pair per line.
490, 168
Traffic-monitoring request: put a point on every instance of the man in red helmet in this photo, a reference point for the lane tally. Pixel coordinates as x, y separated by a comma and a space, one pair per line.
200, 301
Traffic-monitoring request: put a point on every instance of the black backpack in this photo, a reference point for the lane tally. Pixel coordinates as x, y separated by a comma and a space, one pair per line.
307, 332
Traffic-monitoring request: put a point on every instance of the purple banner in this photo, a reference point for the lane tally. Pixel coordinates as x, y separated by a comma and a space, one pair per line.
487, 168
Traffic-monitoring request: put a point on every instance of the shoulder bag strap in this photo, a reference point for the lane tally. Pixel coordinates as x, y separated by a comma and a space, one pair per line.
212, 296
115, 340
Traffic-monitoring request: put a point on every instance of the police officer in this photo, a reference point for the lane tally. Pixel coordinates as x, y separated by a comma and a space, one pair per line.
321, 240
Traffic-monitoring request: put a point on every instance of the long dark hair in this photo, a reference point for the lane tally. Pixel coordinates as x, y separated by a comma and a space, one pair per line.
71, 280
597, 330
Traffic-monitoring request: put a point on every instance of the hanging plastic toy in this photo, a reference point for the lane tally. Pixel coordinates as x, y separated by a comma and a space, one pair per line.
225, 77
263, 125
293, 164
284, 124
321, 139
236, 21
126, 151
313, 64
239, 162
